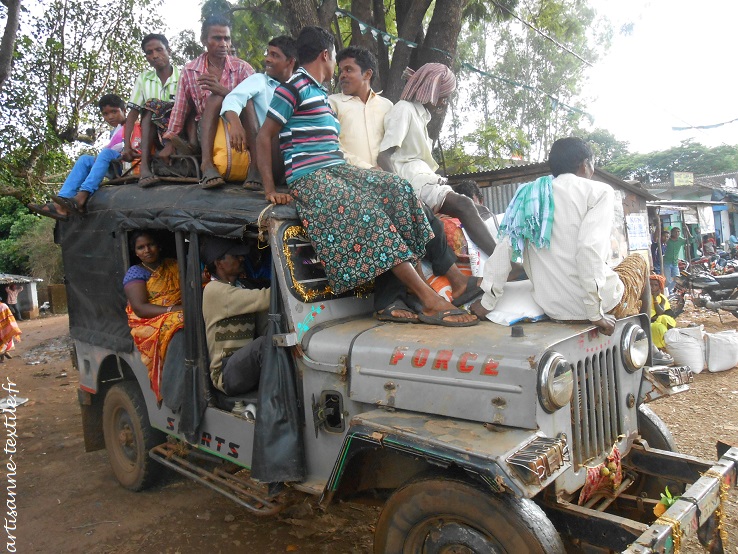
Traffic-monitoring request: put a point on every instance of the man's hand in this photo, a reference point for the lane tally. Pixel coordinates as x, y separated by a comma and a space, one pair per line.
238, 137
129, 154
278, 197
606, 324
478, 310
208, 81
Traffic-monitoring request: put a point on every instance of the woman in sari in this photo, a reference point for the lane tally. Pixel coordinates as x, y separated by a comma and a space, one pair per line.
662, 318
154, 304
9, 331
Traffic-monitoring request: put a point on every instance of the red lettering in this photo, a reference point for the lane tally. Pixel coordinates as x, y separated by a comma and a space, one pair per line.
490, 367
205, 440
220, 442
462, 365
420, 357
442, 359
398, 354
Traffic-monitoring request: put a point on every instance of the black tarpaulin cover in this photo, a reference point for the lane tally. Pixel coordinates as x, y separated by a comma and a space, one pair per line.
94, 251
278, 453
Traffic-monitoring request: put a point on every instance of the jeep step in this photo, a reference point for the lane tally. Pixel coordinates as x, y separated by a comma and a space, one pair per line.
245, 492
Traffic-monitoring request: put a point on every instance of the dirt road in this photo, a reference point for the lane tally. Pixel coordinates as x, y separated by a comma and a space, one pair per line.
68, 500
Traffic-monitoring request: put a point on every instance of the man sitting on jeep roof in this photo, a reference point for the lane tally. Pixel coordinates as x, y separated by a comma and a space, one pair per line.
568, 261
229, 308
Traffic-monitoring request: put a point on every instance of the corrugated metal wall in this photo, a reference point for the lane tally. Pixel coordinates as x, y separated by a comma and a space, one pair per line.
497, 197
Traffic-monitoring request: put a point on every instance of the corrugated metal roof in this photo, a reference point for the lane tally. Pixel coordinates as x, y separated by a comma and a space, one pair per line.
8, 278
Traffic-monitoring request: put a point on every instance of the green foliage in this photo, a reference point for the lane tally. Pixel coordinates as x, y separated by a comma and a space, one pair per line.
73, 54
44, 258
688, 156
604, 145
15, 220
517, 54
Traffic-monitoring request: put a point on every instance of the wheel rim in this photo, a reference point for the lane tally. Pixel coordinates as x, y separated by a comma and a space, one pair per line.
439, 536
126, 437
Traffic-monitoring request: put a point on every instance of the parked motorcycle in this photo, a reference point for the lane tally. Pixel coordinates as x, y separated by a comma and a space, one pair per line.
702, 287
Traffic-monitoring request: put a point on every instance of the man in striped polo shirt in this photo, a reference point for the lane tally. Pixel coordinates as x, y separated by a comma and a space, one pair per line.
364, 224
152, 99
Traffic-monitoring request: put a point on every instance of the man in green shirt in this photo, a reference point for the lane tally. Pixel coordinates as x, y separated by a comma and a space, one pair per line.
674, 251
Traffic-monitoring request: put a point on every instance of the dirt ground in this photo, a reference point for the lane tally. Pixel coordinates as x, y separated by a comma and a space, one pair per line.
68, 500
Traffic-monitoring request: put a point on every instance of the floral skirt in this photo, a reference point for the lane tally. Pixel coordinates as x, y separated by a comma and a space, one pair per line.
361, 222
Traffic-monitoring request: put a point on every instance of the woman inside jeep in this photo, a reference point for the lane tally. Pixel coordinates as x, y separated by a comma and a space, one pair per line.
154, 303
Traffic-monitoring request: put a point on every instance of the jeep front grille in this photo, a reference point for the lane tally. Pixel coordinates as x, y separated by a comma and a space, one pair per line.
595, 416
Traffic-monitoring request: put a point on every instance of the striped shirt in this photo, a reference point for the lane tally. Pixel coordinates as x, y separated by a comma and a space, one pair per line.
148, 86
309, 135
189, 93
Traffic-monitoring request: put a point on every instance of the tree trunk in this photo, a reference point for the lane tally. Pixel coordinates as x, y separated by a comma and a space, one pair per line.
300, 13
443, 34
409, 19
7, 46
382, 51
362, 10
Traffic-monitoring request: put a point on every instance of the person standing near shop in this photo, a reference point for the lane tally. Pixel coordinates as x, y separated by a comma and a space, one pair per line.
674, 252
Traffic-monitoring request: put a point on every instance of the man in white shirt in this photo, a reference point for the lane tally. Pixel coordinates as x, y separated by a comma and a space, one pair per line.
571, 278
406, 149
359, 109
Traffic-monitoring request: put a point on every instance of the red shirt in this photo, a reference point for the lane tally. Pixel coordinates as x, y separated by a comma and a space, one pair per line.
190, 94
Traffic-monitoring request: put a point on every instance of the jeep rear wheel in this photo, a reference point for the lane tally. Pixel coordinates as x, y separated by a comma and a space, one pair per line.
446, 516
129, 437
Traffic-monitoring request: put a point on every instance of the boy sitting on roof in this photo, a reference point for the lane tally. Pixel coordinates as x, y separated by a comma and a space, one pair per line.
88, 171
206, 80
245, 107
152, 99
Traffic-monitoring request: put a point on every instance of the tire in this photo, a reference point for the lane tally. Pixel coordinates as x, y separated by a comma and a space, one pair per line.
449, 515
676, 301
655, 432
129, 437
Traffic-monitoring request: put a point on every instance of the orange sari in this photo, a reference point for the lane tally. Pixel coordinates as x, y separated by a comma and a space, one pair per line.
9, 329
152, 335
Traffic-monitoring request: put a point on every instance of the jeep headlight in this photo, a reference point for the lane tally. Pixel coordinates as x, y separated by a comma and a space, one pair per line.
555, 382
635, 348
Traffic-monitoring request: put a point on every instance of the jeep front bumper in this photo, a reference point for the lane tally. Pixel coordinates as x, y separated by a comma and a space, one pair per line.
703, 500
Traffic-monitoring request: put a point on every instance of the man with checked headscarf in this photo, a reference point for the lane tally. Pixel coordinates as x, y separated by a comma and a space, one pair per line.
407, 149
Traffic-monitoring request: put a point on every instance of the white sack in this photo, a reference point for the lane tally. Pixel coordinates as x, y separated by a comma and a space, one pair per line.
722, 350
686, 346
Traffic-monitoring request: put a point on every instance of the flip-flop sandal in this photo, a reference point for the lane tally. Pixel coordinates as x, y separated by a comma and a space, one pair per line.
253, 185
47, 210
211, 179
439, 319
386, 313
472, 292
70, 204
148, 181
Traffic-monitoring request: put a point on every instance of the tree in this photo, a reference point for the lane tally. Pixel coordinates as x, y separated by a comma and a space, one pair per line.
530, 75
7, 44
76, 52
689, 156
604, 145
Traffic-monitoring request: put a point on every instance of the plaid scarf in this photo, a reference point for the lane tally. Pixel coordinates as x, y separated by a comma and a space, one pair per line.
529, 217
428, 84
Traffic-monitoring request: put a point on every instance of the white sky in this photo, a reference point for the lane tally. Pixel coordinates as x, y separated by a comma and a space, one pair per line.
675, 69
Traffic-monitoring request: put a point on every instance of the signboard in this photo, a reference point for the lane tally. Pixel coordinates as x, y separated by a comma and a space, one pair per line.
682, 178
638, 236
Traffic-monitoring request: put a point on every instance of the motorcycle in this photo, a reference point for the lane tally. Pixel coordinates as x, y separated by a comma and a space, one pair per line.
711, 288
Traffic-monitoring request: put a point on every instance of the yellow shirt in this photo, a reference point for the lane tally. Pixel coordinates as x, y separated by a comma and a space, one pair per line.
362, 126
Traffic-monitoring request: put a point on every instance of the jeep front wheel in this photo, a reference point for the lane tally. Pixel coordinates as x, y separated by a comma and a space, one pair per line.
129, 437
451, 516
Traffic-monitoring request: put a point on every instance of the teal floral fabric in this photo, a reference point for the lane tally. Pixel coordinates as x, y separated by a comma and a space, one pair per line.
361, 222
